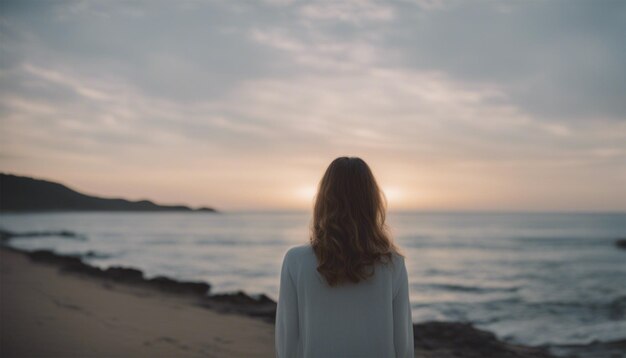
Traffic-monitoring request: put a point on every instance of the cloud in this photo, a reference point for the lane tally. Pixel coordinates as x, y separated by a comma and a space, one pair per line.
351, 11
459, 106
556, 59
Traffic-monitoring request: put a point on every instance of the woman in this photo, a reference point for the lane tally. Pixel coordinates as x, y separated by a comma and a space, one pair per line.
346, 293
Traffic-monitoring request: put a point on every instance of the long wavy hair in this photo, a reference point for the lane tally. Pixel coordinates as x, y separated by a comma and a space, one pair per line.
348, 232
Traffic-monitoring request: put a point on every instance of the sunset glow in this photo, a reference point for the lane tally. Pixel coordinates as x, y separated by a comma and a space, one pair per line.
306, 194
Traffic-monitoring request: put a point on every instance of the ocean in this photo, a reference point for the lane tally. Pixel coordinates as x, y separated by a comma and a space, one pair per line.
531, 278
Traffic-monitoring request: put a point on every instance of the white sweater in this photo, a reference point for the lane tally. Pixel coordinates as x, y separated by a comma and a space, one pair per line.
369, 319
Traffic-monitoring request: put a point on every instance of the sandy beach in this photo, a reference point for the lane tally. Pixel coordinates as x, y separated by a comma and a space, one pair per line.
46, 312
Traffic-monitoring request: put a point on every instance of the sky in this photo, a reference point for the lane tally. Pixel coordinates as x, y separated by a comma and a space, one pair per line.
241, 105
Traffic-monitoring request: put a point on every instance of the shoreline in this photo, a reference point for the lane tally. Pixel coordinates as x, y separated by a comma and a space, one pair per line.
432, 339
261, 307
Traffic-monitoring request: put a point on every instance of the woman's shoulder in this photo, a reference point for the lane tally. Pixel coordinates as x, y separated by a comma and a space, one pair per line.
299, 258
396, 263
397, 257
298, 252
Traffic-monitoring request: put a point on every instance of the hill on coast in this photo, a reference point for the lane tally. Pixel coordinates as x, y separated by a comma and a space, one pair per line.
19, 193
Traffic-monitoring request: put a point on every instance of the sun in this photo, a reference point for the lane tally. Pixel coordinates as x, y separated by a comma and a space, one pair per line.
306, 192
393, 194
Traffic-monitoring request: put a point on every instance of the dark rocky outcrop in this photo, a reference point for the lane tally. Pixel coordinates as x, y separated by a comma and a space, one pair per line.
621, 243
63, 261
464, 340
167, 284
18, 193
123, 274
5, 235
261, 307
615, 349
75, 264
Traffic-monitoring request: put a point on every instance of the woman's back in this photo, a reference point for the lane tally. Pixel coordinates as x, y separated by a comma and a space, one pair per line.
346, 294
371, 318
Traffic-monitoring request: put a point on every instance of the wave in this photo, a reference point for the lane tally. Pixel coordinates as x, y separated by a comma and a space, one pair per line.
465, 288
91, 254
565, 240
6, 235
238, 242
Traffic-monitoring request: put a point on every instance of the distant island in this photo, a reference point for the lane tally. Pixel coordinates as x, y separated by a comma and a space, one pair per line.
18, 193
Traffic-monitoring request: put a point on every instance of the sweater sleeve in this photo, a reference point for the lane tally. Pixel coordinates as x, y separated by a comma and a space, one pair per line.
402, 320
287, 328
